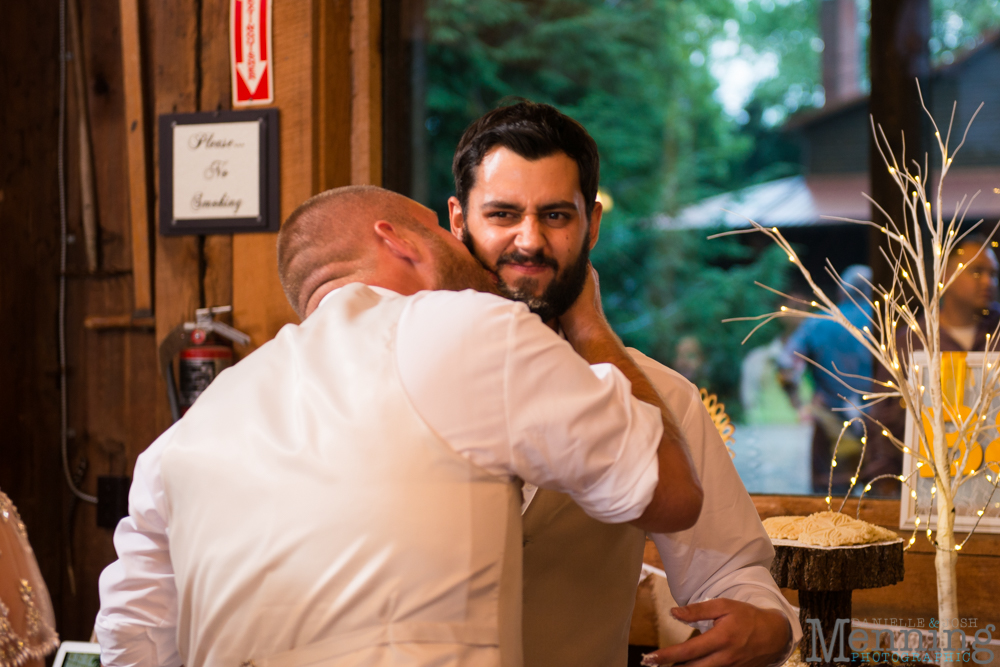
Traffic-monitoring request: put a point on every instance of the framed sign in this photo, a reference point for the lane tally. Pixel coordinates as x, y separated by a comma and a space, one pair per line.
219, 172
961, 374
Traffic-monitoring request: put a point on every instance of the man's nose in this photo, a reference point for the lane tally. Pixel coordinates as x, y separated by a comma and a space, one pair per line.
530, 236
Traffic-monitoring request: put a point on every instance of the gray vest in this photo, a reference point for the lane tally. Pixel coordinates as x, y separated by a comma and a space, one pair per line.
580, 578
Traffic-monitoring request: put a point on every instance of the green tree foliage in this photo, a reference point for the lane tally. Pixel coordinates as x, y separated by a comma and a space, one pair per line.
635, 73
960, 25
641, 75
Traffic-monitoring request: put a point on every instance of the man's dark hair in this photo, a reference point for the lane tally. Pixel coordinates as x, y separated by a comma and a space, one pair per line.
533, 131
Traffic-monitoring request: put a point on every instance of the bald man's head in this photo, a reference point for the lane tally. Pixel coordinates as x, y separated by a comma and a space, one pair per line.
332, 237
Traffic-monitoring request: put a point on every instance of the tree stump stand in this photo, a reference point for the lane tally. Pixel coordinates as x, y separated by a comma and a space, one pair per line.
825, 578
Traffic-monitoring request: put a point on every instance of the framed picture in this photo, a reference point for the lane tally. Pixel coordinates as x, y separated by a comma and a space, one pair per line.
219, 172
962, 375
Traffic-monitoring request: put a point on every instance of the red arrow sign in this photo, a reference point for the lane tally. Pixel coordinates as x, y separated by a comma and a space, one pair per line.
251, 62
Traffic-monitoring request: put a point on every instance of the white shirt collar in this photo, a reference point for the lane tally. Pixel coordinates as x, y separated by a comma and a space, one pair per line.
378, 290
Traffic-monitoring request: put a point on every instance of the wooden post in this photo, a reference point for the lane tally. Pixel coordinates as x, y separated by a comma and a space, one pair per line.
83, 134
138, 182
366, 93
898, 55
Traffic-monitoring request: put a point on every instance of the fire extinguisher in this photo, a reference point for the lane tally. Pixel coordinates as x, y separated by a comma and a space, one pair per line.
203, 349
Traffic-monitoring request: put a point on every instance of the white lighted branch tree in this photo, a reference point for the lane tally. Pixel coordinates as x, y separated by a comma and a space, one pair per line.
904, 319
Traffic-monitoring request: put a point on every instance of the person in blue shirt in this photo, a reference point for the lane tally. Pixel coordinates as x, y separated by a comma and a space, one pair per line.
831, 346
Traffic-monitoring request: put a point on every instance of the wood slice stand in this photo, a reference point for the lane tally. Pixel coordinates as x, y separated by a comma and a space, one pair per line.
825, 578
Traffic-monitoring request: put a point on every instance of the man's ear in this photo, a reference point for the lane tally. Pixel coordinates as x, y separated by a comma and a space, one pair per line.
398, 242
594, 230
456, 218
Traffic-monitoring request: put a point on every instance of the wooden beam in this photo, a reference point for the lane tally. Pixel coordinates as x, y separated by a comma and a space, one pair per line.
217, 252
259, 304
89, 211
366, 93
172, 30
898, 55
135, 130
332, 95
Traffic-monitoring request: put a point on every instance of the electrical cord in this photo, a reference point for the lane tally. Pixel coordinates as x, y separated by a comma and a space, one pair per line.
63, 242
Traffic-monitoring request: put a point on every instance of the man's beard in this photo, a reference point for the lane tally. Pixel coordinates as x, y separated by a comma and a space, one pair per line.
557, 297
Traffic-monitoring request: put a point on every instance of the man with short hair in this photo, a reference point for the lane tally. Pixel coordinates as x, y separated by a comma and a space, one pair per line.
969, 314
833, 347
526, 179
348, 494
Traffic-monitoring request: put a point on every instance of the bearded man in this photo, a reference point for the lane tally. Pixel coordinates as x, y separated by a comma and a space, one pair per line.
526, 179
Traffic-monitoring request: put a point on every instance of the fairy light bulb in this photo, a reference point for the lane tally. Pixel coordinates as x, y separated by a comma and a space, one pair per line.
868, 487
916, 522
913, 494
906, 450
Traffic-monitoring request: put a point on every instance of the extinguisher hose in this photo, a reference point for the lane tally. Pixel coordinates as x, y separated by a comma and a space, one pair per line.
63, 241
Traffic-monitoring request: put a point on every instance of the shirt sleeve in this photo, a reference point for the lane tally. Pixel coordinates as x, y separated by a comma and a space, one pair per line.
137, 622
727, 553
505, 391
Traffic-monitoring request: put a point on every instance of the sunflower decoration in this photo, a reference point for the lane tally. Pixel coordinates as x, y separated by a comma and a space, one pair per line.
717, 411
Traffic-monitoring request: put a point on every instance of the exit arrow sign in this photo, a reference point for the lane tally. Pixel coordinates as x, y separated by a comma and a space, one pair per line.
250, 52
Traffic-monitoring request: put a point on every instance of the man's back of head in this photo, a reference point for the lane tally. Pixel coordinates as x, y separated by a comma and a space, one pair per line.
364, 233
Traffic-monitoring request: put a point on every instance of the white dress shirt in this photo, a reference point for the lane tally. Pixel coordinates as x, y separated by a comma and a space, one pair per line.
727, 553
493, 382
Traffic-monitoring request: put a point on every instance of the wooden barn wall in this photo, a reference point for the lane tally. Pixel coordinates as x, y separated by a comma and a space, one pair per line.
117, 400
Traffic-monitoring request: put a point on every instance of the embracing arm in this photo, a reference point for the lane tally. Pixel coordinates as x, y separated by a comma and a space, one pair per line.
678, 497
718, 570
